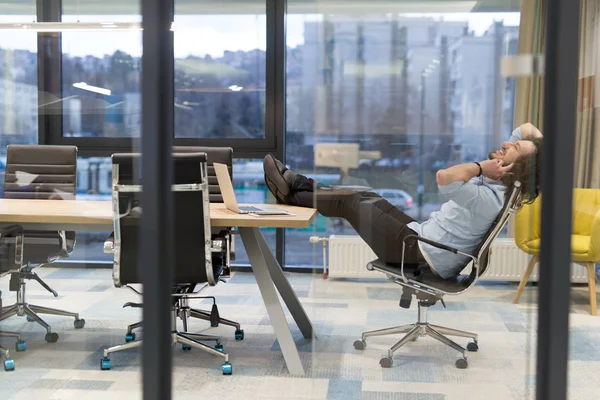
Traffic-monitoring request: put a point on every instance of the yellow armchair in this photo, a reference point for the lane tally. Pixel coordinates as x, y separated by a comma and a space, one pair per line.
585, 236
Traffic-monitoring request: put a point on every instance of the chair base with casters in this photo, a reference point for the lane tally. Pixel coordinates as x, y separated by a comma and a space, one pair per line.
21, 308
20, 345
421, 328
185, 312
591, 269
188, 341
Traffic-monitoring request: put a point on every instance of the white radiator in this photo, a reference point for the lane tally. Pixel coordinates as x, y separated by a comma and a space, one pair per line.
349, 255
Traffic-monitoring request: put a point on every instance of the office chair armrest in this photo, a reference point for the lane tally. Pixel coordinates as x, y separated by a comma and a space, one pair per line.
434, 244
109, 246
12, 230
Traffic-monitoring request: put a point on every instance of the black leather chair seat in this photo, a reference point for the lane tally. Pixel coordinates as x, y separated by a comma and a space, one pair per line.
422, 273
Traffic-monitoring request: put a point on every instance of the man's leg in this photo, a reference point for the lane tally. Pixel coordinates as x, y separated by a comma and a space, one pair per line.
381, 225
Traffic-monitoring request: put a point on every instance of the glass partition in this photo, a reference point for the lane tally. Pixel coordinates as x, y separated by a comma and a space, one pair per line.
414, 92
401, 118
384, 106
583, 325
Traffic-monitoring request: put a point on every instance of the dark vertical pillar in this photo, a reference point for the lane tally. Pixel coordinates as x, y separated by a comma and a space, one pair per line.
560, 100
156, 246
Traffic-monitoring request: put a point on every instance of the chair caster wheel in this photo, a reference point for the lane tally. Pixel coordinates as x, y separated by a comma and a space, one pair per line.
29, 319
360, 344
414, 339
186, 347
386, 362
79, 323
129, 337
472, 345
214, 324
219, 347
9, 364
239, 334
21, 345
227, 368
105, 364
462, 363
51, 337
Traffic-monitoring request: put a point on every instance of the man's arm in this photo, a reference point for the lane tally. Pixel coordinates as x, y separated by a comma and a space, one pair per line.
492, 169
525, 131
460, 172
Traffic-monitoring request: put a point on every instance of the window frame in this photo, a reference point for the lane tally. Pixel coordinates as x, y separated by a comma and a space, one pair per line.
50, 81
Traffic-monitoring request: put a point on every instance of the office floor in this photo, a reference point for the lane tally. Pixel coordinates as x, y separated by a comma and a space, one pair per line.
340, 310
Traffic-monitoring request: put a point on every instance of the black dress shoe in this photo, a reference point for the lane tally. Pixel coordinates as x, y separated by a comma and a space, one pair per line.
274, 179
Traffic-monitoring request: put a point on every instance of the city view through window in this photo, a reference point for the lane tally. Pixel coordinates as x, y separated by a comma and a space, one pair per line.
416, 92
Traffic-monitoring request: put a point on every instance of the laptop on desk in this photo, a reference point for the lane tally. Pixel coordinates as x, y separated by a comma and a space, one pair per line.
229, 196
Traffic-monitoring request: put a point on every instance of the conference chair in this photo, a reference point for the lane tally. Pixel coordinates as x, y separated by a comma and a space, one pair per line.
585, 237
222, 155
197, 259
420, 282
46, 173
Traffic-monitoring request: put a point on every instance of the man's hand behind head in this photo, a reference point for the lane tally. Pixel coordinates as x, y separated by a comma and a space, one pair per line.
529, 131
494, 169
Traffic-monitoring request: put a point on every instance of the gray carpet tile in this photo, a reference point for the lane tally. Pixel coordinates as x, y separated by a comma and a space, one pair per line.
340, 310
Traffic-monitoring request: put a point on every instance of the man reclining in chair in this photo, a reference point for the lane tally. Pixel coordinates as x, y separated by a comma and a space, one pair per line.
476, 194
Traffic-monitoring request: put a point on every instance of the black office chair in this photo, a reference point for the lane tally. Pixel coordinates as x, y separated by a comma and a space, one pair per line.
429, 288
40, 173
222, 155
197, 259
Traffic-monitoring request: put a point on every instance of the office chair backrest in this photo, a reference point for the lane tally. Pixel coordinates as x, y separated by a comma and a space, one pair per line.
483, 251
221, 155
40, 172
192, 257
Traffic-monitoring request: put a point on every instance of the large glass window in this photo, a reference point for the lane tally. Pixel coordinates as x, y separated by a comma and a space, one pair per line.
220, 84
18, 89
101, 79
408, 93
220, 71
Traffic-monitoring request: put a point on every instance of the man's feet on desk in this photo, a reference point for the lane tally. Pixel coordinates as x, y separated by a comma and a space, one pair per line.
282, 182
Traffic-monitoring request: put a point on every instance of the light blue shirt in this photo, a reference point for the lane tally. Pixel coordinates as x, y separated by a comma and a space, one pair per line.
462, 221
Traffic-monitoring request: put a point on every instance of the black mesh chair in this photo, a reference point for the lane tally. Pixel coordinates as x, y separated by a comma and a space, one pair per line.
197, 259
429, 288
40, 173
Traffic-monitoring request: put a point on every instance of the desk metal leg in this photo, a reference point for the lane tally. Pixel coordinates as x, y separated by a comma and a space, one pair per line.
269, 295
285, 289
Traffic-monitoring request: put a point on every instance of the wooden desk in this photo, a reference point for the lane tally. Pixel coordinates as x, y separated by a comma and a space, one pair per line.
96, 216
